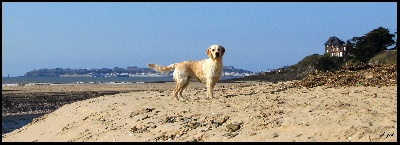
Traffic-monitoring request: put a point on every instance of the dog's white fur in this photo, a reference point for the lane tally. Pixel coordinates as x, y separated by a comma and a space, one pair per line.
207, 71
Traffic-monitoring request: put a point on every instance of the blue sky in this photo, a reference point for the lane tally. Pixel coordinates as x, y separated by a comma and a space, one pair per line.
257, 36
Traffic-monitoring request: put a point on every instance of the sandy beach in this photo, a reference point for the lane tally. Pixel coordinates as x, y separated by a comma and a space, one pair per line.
250, 111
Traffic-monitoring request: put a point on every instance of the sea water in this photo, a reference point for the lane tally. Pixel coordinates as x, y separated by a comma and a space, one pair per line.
82, 80
21, 81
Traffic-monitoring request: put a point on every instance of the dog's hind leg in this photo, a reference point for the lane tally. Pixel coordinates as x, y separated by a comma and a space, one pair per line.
175, 95
183, 88
179, 86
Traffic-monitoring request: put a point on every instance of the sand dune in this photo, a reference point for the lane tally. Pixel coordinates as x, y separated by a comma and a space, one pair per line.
241, 112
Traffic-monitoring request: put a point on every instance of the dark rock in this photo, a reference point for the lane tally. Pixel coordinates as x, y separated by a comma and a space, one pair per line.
233, 127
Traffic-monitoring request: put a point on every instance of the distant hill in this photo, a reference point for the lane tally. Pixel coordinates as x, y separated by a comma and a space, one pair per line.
313, 63
293, 72
116, 72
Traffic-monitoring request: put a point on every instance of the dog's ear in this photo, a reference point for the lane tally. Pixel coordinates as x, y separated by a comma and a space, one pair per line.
222, 51
208, 52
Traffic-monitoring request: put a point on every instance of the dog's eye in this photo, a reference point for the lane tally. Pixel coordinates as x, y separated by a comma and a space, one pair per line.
213, 50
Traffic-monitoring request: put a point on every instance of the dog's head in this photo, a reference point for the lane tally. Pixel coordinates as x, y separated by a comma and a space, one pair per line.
215, 51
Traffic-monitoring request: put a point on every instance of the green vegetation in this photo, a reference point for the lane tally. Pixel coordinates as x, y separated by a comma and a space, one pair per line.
371, 44
369, 49
385, 57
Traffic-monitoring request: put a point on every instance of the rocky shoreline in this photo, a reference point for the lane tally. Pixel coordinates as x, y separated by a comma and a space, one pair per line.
19, 109
21, 104
44, 102
23, 100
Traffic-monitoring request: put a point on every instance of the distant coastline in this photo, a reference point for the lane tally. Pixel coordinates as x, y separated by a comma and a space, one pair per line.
127, 75
85, 79
120, 72
84, 75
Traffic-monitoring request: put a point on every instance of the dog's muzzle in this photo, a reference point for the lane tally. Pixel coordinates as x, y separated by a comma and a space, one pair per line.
217, 54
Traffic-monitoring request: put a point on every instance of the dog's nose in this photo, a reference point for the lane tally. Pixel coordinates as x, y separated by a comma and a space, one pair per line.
217, 54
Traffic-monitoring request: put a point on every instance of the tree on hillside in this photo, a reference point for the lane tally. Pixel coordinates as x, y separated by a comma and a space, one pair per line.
358, 52
395, 43
371, 44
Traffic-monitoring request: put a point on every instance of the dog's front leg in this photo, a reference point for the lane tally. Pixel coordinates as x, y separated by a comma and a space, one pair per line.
209, 90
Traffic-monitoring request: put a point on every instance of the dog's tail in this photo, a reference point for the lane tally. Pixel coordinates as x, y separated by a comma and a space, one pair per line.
160, 68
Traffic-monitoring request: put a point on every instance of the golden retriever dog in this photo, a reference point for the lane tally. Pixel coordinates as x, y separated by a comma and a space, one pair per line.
208, 71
